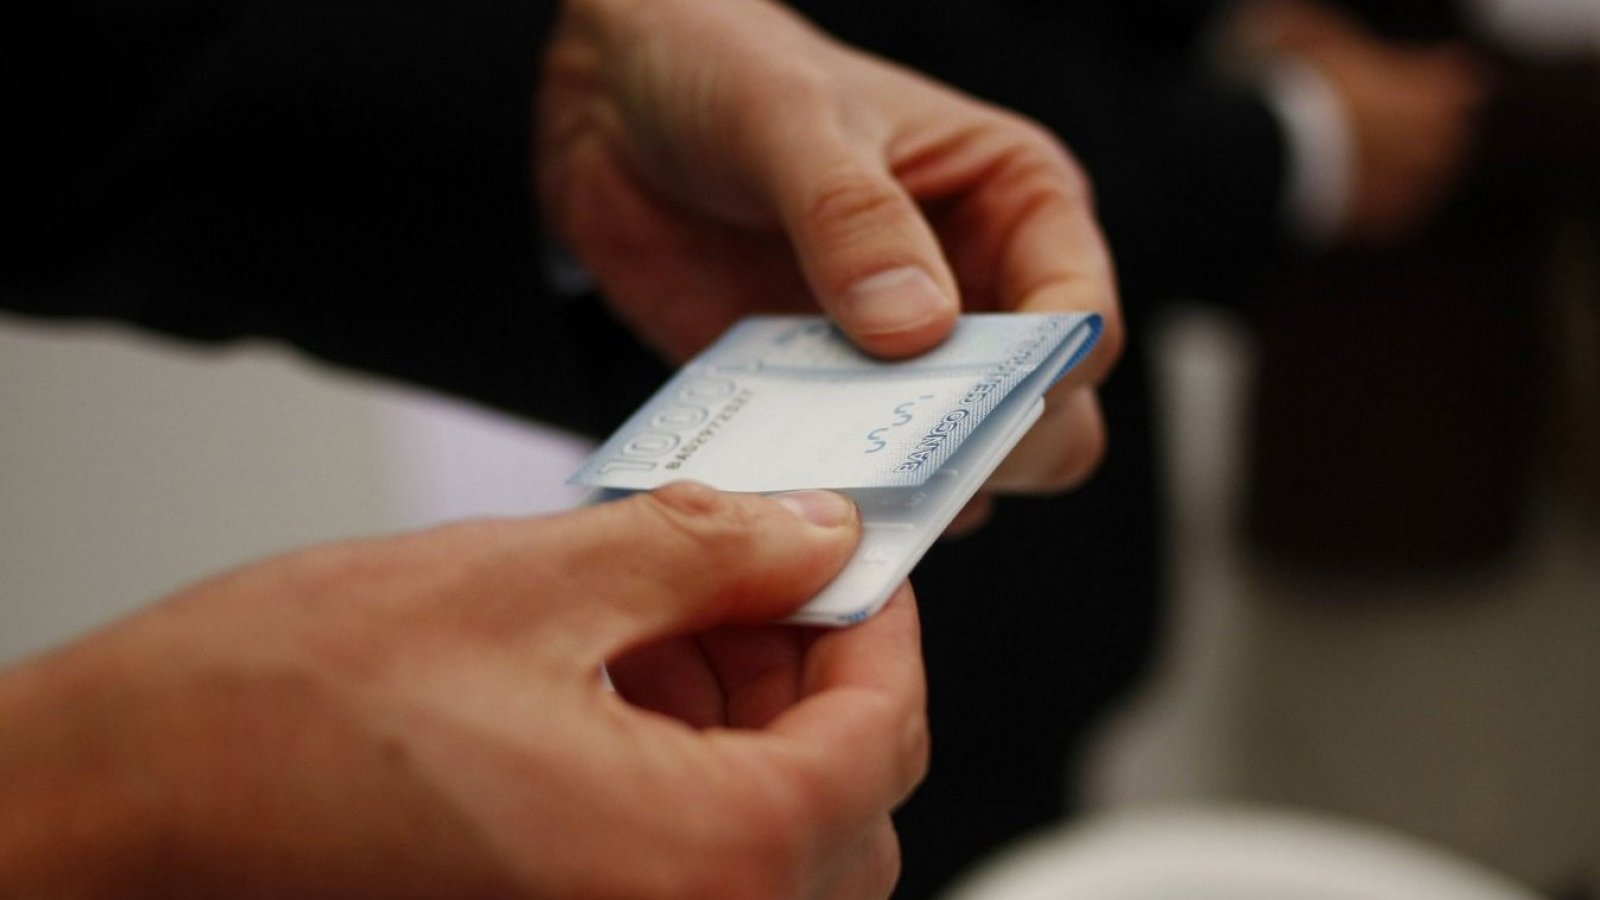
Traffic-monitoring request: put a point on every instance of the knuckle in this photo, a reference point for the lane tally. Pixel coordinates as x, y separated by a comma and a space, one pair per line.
1051, 181
1040, 158
690, 500
713, 521
850, 200
1078, 463
773, 823
762, 849
809, 90
1079, 187
1113, 340
916, 750
810, 95
910, 750
884, 861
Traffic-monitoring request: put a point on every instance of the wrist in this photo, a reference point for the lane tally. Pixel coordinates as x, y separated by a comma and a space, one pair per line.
1321, 169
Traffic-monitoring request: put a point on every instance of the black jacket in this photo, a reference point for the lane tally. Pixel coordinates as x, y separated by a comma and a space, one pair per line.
352, 177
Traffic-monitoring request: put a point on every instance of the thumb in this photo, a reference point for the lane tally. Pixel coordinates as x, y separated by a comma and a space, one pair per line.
867, 252
686, 557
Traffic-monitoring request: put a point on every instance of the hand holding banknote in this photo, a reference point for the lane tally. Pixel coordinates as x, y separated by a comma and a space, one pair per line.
423, 716
786, 170
782, 403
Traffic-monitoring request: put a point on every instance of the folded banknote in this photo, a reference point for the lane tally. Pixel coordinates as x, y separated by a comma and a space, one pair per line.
787, 402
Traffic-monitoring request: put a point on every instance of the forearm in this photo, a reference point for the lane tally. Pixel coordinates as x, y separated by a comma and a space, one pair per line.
144, 761
69, 820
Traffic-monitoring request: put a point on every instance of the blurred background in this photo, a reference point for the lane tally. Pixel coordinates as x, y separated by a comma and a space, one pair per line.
131, 466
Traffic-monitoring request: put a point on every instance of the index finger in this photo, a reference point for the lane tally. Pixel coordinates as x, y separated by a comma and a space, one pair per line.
1024, 238
1021, 231
1057, 261
860, 734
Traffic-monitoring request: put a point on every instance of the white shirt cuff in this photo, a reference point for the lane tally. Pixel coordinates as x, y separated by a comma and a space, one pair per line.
1320, 170
1541, 30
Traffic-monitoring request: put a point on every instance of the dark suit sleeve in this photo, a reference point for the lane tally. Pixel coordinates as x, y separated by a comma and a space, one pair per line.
1189, 175
1188, 168
351, 176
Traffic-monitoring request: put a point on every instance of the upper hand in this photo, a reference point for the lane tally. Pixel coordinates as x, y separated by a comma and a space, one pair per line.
706, 159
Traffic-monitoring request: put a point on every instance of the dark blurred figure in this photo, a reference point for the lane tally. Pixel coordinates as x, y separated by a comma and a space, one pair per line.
1404, 380
1417, 399
1406, 628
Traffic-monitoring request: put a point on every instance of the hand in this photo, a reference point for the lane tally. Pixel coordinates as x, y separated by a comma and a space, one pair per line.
711, 158
424, 716
1409, 108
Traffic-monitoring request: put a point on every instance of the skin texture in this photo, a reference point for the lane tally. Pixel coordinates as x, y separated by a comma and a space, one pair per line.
424, 716
706, 159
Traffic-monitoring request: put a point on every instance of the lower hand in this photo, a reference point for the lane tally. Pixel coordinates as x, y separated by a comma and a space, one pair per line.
424, 716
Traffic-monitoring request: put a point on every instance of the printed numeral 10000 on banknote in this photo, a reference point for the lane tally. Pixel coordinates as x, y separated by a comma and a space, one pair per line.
786, 402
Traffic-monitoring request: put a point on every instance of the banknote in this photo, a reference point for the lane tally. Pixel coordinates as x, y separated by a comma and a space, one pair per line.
787, 402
